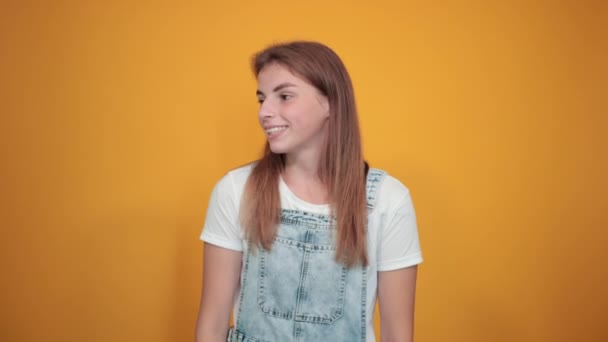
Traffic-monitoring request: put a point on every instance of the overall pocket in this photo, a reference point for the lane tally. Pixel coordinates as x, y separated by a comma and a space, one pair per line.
301, 281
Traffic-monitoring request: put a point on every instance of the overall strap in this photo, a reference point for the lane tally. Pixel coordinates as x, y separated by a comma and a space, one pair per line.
374, 179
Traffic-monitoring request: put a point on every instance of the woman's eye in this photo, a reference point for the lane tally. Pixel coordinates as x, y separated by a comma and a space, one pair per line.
285, 97
260, 101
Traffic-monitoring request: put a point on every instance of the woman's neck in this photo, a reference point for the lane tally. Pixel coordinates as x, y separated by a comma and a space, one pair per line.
302, 178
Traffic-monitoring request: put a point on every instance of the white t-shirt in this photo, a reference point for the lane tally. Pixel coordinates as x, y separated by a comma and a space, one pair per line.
392, 241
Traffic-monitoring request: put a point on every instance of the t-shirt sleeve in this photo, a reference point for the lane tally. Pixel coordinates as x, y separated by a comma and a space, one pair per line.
222, 226
399, 246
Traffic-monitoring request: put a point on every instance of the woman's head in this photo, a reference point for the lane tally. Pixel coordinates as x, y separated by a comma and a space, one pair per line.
293, 113
320, 67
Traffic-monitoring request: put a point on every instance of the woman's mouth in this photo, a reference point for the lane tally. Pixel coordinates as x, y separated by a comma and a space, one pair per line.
272, 131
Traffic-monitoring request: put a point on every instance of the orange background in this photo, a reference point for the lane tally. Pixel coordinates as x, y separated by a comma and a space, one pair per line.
118, 117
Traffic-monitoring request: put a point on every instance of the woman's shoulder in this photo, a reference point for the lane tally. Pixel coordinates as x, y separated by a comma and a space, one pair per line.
240, 173
234, 180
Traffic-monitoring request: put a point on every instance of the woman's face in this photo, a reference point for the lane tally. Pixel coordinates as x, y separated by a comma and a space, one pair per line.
293, 113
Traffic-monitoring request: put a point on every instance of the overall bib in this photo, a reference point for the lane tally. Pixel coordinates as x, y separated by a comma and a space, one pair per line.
297, 291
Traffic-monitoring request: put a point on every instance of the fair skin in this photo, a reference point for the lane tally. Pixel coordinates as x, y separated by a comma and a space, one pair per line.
396, 294
294, 115
221, 272
299, 113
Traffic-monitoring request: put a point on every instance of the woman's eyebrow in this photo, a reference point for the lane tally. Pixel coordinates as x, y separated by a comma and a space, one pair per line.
277, 88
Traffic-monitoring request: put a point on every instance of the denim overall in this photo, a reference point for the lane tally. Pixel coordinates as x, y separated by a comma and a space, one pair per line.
297, 291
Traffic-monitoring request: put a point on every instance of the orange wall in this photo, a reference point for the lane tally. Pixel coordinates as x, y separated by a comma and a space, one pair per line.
117, 118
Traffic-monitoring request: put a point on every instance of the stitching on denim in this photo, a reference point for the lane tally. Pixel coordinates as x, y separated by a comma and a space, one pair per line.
336, 312
262, 295
234, 335
308, 247
243, 286
307, 220
363, 303
374, 179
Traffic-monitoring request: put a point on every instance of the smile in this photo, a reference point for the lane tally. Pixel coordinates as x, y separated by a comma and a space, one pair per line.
274, 130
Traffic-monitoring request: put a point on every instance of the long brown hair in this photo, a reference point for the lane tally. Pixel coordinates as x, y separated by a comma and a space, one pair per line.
342, 168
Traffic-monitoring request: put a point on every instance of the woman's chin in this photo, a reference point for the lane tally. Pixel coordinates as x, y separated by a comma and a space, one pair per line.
277, 149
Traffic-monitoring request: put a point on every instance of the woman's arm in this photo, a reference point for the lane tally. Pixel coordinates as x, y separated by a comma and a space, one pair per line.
221, 276
396, 293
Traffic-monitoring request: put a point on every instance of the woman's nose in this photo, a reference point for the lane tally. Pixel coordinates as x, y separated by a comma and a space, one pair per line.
266, 110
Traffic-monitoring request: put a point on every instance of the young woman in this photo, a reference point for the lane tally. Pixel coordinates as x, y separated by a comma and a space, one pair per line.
300, 243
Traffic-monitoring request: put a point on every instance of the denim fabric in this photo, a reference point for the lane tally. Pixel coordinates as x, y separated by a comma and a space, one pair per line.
297, 291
